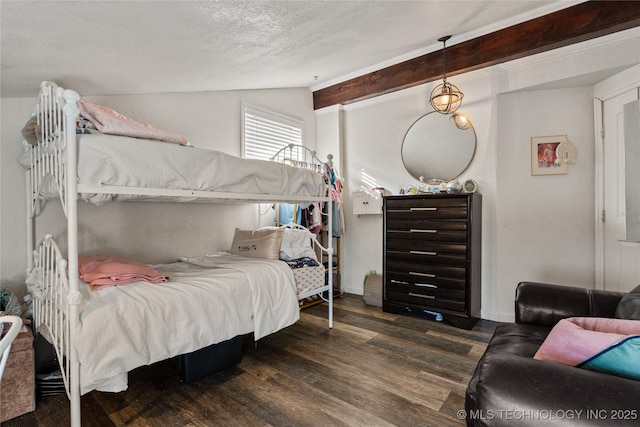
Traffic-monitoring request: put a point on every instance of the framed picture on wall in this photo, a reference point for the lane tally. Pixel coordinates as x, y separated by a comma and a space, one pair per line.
543, 155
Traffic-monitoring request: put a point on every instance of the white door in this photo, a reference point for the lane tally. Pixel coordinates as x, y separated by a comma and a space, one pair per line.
617, 258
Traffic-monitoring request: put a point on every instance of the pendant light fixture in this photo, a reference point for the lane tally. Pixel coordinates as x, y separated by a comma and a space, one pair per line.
445, 98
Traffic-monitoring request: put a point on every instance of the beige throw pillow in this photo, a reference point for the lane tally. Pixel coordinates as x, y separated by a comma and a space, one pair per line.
257, 243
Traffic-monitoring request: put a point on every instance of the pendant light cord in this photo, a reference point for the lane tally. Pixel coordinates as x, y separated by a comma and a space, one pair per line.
444, 56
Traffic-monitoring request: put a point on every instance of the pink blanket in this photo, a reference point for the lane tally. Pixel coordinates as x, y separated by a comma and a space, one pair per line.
109, 121
101, 272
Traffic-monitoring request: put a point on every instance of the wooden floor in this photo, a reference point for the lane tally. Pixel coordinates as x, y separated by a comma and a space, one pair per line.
371, 369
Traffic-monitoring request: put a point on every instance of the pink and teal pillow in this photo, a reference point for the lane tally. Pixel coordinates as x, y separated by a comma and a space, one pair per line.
610, 346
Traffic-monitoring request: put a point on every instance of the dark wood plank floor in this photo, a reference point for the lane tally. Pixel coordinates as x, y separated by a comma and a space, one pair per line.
371, 369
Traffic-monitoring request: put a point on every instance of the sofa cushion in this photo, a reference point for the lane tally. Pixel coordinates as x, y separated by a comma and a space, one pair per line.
629, 305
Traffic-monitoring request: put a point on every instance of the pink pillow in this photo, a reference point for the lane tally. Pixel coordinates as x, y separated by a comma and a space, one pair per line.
109, 121
576, 339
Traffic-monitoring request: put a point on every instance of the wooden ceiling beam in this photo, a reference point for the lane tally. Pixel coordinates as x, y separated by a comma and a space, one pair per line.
567, 26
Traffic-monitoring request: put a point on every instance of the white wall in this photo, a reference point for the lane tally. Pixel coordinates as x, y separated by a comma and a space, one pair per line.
538, 228
545, 227
149, 232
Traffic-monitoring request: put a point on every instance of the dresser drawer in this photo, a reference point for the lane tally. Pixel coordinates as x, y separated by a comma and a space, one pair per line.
416, 203
414, 242
426, 270
424, 226
459, 212
425, 252
420, 280
423, 257
426, 289
425, 300
429, 234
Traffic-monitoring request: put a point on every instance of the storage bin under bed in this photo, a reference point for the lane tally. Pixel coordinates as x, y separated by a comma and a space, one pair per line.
209, 360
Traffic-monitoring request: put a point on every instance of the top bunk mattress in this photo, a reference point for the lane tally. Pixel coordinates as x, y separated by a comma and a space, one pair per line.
110, 160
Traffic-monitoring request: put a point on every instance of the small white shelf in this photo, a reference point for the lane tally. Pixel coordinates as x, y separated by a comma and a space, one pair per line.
365, 203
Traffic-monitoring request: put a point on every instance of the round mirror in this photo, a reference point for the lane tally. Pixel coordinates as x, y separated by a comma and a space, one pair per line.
438, 147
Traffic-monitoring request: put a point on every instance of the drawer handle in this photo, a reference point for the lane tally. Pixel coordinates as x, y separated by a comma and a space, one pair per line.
411, 294
417, 230
426, 285
423, 253
415, 273
423, 209
399, 282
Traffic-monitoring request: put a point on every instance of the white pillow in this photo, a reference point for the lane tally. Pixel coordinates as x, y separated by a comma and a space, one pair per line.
262, 243
297, 243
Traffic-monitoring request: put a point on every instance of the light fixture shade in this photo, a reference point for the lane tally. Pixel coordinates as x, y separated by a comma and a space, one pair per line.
446, 98
461, 122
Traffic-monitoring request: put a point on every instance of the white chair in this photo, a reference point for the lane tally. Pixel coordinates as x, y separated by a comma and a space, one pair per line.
7, 339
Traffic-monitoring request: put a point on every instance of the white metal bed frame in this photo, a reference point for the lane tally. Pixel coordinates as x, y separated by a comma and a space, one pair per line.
55, 304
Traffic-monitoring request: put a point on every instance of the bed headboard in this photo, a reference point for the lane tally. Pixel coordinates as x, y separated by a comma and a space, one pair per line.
49, 117
301, 157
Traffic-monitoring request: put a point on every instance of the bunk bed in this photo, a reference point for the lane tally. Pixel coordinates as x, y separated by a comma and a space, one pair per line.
63, 163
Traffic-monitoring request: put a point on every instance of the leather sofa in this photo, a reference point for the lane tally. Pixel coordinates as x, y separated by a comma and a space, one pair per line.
510, 388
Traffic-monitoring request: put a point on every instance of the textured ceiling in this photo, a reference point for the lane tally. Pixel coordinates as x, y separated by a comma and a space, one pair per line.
117, 47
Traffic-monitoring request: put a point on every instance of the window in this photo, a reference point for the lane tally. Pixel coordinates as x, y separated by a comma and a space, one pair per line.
265, 132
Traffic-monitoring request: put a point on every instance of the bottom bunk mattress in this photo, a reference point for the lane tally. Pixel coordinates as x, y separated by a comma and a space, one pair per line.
207, 300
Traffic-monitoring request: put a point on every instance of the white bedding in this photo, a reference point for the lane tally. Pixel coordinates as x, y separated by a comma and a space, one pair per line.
128, 326
134, 162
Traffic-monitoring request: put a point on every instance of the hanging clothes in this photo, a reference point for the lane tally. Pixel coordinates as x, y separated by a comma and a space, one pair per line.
338, 213
315, 218
287, 213
338, 228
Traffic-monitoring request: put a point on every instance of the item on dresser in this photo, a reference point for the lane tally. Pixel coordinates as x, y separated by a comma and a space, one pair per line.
432, 250
469, 186
454, 186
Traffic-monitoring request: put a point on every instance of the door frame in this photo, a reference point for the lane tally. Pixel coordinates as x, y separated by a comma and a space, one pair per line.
603, 91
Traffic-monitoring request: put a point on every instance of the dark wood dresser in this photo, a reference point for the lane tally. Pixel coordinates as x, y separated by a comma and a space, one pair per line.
432, 254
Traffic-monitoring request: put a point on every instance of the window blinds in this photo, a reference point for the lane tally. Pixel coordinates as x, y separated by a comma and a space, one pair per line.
265, 132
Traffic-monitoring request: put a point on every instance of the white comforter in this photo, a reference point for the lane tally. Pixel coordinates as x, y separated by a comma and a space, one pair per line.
133, 162
128, 326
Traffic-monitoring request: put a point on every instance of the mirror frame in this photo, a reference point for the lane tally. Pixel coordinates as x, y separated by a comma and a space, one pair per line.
434, 148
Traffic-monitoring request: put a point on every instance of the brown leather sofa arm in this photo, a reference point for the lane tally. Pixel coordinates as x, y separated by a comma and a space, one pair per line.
512, 390
545, 304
